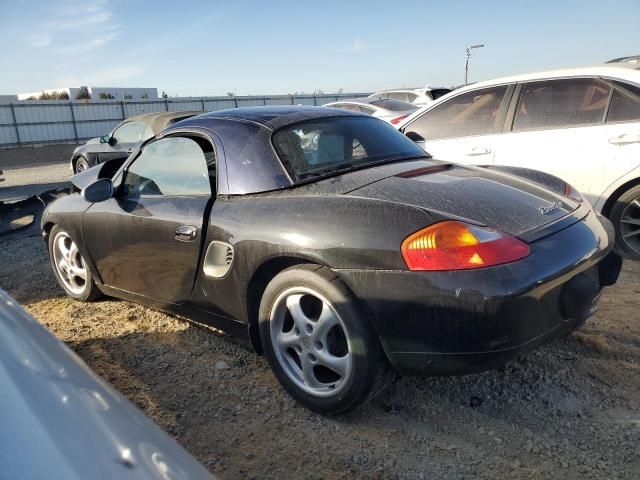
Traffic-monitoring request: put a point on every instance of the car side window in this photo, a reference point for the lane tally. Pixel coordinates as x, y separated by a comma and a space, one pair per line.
174, 166
132, 132
411, 97
625, 104
436, 93
471, 113
561, 103
402, 96
367, 110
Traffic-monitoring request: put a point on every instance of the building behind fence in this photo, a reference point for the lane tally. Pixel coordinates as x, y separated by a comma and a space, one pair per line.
34, 122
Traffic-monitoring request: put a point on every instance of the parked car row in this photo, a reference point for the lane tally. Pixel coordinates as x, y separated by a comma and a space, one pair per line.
390, 105
416, 96
336, 245
312, 230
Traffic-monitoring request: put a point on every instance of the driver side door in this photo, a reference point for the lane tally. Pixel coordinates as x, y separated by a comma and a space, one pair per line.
146, 239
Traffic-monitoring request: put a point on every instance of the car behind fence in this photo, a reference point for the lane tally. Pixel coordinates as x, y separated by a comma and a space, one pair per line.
33, 122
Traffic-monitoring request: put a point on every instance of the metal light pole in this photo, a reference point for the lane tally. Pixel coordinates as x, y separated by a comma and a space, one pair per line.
466, 64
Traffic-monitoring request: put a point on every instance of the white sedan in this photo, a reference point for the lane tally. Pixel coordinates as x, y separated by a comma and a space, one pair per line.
417, 96
392, 111
581, 125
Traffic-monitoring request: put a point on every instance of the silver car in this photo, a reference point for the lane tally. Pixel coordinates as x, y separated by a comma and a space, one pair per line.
61, 421
389, 110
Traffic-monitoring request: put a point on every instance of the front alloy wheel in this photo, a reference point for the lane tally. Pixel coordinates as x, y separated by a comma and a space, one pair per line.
69, 266
81, 165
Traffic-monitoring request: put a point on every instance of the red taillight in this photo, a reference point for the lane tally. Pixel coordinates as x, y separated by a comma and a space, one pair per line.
397, 120
454, 245
572, 193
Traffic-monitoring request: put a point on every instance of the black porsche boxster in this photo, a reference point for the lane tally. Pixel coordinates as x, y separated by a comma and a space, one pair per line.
336, 245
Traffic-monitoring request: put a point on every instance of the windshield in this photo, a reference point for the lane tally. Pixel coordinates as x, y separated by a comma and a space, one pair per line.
325, 146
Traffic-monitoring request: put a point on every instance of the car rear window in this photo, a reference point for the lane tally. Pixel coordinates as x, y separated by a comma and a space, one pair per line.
323, 147
439, 92
561, 103
394, 105
625, 104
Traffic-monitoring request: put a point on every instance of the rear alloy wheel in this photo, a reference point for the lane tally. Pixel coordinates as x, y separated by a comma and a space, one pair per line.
82, 164
625, 215
317, 341
310, 341
69, 266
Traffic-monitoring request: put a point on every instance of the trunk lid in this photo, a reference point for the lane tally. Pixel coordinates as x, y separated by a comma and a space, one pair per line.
500, 201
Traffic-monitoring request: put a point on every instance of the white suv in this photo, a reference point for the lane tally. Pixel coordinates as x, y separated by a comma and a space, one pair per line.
581, 125
417, 96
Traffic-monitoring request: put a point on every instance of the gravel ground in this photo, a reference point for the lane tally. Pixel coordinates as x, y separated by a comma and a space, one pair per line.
31, 170
570, 410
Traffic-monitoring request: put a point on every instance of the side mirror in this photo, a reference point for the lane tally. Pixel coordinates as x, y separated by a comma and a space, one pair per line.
98, 191
413, 136
105, 139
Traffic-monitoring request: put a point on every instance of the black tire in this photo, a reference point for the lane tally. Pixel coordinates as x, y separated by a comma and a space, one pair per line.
81, 165
84, 293
368, 369
627, 206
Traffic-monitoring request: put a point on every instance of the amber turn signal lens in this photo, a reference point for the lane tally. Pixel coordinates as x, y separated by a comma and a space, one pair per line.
454, 245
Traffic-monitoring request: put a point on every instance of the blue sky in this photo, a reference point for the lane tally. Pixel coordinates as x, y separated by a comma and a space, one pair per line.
267, 47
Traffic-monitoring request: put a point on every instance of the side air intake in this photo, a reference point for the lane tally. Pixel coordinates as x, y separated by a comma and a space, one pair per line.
218, 259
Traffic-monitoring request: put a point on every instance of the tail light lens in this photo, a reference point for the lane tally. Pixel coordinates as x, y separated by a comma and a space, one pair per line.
454, 245
397, 120
572, 193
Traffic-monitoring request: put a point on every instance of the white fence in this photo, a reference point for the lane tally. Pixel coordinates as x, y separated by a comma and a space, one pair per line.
31, 122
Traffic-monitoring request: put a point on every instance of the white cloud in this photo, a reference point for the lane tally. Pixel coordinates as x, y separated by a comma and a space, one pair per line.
75, 27
104, 77
356, 46
87, 46
38, 40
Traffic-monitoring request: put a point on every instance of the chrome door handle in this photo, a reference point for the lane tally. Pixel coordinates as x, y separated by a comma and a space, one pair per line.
625, 138
186, 233
478, 151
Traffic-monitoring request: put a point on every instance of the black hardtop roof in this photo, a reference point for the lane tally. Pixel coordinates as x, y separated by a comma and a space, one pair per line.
271, 117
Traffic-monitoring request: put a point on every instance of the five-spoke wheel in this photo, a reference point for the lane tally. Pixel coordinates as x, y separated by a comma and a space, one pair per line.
630, 225
625, 215
310, 341
69, 267
69, 263
81, 165
318, 341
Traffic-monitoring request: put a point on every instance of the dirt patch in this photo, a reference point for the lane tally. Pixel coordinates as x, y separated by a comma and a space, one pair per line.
570, 409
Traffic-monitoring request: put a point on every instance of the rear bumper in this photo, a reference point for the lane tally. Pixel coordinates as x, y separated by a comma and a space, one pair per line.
444, 323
